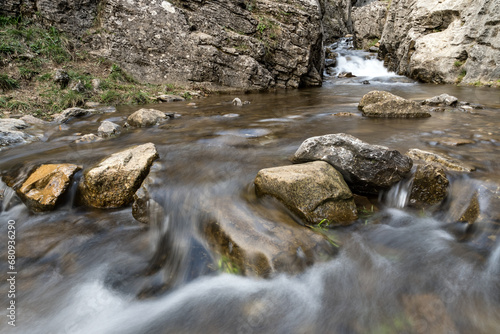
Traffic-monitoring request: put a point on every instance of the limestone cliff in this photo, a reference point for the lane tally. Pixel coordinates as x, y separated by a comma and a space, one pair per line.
443, 42
244, 44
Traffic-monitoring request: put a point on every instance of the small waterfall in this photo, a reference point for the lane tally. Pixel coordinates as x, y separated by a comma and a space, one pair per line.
361, 64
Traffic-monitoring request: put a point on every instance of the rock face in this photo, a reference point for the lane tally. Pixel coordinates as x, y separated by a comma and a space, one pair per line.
384, 104
337, 20
366, 168
10, 132
443, 42
438, 159
429, 186
368, 23
217, 43
113, 182
45, 185
314, 191
146, 118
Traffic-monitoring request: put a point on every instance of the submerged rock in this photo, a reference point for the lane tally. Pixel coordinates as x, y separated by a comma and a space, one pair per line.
146, 117
439, 159
429, 186
45, 185
384, 104
366, 168
88, 138
314, 191
113, 182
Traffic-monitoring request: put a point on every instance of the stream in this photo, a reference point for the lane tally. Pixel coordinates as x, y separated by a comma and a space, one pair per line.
398, 270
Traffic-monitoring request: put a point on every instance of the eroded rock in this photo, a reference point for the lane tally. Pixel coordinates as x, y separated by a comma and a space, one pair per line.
45, 185
314, 191
368, 23
146, 118
439, 159
366, 168
443, 100
70, 113
429, 186
384, 104
11, 132
113, 182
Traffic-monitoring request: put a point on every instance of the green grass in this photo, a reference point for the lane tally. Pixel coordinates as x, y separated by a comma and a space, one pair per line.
461, 76
458, 63
226, 265
7, 83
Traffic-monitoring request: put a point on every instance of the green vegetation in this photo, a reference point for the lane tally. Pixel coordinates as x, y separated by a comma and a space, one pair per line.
458, 63
7, 83
227, 266
29, 55
373, 42
461, 76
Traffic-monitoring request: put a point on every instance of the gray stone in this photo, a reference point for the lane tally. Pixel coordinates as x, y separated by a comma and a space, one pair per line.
108, 129
88, 138
78, 87
237, 102
443, 100
11, 132
384, 104
33, 120
314, 191
113, 182
366, 168
70, 113
368, 22
61, 77
146, 118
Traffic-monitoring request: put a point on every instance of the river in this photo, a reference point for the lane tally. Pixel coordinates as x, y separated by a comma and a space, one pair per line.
399, 270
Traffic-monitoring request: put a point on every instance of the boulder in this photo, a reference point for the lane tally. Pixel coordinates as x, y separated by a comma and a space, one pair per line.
314, 191
384, 104
439, 159
78, 87
366, 168
61, 77
443, 100
108, 129
144, 206
113, 182
146, 118
45, 185
368, 23
270, 244
443, 42
70, 113
10, 132
429, 186
169, 98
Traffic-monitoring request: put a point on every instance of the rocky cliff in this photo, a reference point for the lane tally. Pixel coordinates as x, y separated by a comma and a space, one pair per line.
443, 42
244, 44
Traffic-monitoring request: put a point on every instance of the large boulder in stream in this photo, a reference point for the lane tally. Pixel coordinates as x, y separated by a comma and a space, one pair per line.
366, 168
384, 104
314, 191
113, 182
43, 188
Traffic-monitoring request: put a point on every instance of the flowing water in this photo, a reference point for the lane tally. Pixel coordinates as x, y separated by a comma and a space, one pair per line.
397, 271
